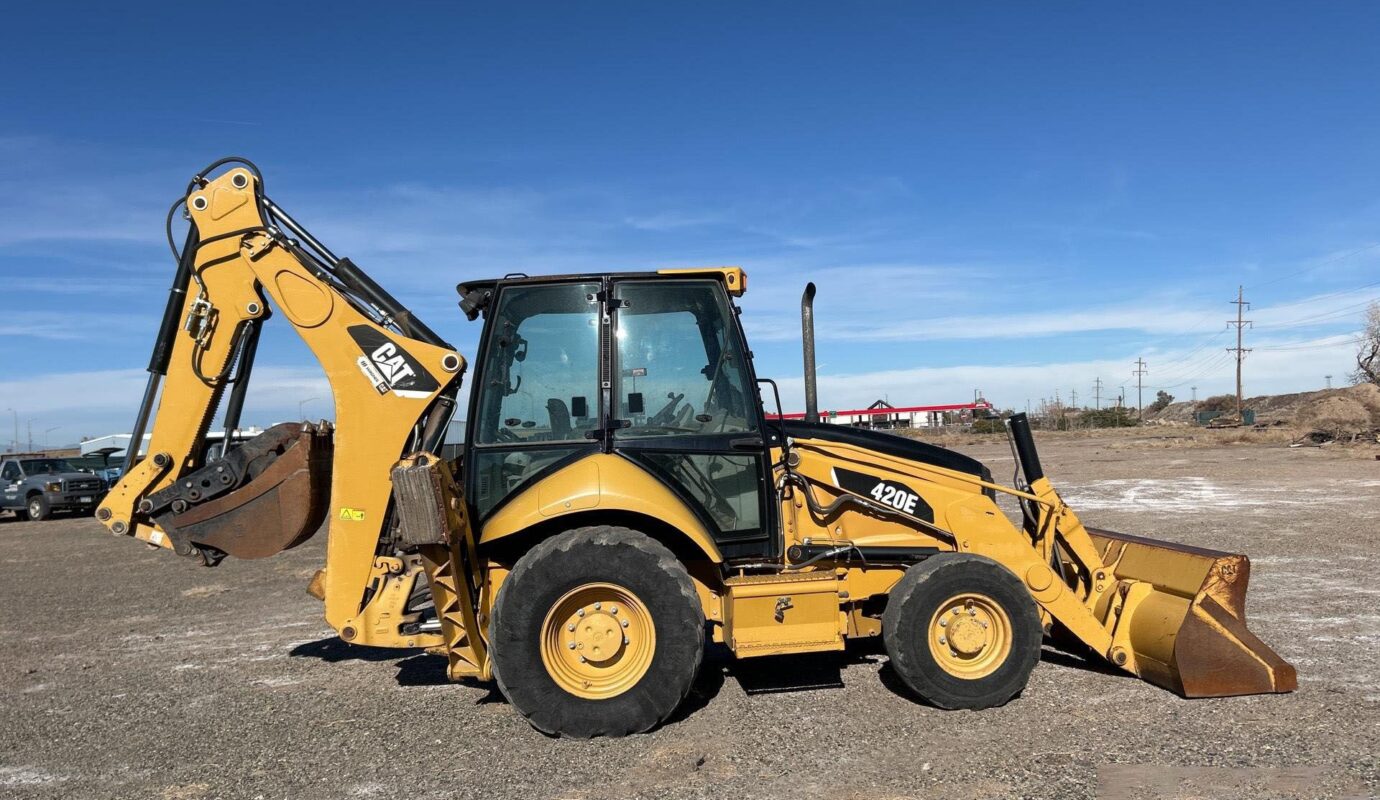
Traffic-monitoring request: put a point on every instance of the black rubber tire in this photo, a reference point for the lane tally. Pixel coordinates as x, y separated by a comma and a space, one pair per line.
589, 555
911, 607
37, 509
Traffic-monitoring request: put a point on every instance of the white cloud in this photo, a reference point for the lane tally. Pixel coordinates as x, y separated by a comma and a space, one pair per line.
1267, 371
105, 401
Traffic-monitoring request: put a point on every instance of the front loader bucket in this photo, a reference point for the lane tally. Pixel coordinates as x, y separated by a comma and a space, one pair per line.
268, 495
1185, 624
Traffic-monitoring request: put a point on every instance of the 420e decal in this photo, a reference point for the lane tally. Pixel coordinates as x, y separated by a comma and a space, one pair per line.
888, 493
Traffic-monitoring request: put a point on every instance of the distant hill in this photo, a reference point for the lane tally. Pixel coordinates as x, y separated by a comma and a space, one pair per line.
1350, 409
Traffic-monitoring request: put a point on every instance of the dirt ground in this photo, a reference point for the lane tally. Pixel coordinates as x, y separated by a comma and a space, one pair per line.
131, 673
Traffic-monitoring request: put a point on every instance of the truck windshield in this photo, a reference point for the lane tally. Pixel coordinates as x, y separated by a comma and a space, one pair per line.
38, 466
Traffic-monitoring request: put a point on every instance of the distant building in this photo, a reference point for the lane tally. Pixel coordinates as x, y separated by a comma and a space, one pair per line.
882, 414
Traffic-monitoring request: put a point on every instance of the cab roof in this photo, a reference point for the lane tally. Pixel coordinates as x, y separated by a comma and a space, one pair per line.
474, 295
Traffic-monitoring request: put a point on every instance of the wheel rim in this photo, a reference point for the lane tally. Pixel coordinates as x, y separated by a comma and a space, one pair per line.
970, 636
35, 508
597, 641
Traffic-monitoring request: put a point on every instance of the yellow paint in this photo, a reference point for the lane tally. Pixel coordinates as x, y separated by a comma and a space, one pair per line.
622, 486
767, 615
598, 640
970, 636
734, 278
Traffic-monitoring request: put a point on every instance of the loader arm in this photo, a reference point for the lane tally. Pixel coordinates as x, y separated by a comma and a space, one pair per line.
393, 381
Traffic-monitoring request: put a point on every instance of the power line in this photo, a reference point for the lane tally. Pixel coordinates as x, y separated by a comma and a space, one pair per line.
1218, 360
1328, 262
1314, 345
1323, 316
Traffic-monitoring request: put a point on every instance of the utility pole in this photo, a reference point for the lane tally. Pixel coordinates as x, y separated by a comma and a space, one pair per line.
1073, 399
16, 428
1097, 394
1240, 351
30, 423
1140, 387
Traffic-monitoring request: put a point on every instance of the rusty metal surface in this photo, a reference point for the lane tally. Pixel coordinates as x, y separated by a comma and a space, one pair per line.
1214, 653
279, 506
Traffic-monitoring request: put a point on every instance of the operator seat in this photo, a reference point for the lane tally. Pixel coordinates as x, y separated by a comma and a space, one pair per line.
559, 414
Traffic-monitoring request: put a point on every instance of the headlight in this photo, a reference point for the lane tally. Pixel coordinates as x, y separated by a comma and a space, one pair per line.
54, 487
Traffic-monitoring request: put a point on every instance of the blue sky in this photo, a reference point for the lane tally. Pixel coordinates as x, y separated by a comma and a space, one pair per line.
1016, 198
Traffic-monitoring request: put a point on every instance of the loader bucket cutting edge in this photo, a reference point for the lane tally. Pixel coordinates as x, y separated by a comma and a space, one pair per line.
1189, 633
277, 509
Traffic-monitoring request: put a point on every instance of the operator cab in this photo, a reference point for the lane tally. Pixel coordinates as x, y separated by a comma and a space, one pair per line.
650, 366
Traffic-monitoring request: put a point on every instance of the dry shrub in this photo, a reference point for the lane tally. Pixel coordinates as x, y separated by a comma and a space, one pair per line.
1335, 414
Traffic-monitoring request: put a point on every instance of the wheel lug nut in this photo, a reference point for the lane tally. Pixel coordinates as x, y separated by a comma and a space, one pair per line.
582, 660
596, 606
572, 645
570, 627
943, 623
626, 640
625, 623
942, 640
613, 609
581, 613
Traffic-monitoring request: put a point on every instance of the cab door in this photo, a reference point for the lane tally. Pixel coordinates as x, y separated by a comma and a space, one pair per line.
684, 406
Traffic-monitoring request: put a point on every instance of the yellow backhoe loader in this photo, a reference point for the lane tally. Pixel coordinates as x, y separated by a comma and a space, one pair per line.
622, 494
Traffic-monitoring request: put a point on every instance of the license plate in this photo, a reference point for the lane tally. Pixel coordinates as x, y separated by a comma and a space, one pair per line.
85, 499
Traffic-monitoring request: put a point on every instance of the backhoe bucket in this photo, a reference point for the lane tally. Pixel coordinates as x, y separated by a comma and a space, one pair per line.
1186, 623
266, 496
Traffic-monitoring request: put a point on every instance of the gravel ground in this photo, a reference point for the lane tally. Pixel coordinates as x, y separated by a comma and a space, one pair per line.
131, 673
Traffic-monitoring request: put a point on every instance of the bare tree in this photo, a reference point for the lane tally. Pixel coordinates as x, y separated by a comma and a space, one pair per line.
1368, 350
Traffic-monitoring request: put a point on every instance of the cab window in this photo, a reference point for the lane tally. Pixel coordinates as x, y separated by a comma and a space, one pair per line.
541, 369
680, 369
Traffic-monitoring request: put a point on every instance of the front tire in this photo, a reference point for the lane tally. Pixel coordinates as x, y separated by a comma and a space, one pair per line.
38, 509
597, 632
962, 632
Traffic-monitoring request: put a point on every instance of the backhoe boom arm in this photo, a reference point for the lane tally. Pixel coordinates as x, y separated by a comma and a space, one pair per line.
394, 383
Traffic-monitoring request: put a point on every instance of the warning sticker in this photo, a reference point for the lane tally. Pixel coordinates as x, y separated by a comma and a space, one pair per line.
352, 514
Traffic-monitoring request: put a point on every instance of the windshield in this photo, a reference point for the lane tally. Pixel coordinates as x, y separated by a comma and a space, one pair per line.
37, 466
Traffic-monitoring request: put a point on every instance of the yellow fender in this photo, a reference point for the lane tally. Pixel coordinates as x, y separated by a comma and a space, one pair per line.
603, 482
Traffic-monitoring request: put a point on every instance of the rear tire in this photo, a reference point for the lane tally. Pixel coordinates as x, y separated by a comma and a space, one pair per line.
637, 645
37, 508
962, 632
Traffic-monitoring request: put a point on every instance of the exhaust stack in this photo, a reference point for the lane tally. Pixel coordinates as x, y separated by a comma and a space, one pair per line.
807, 335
